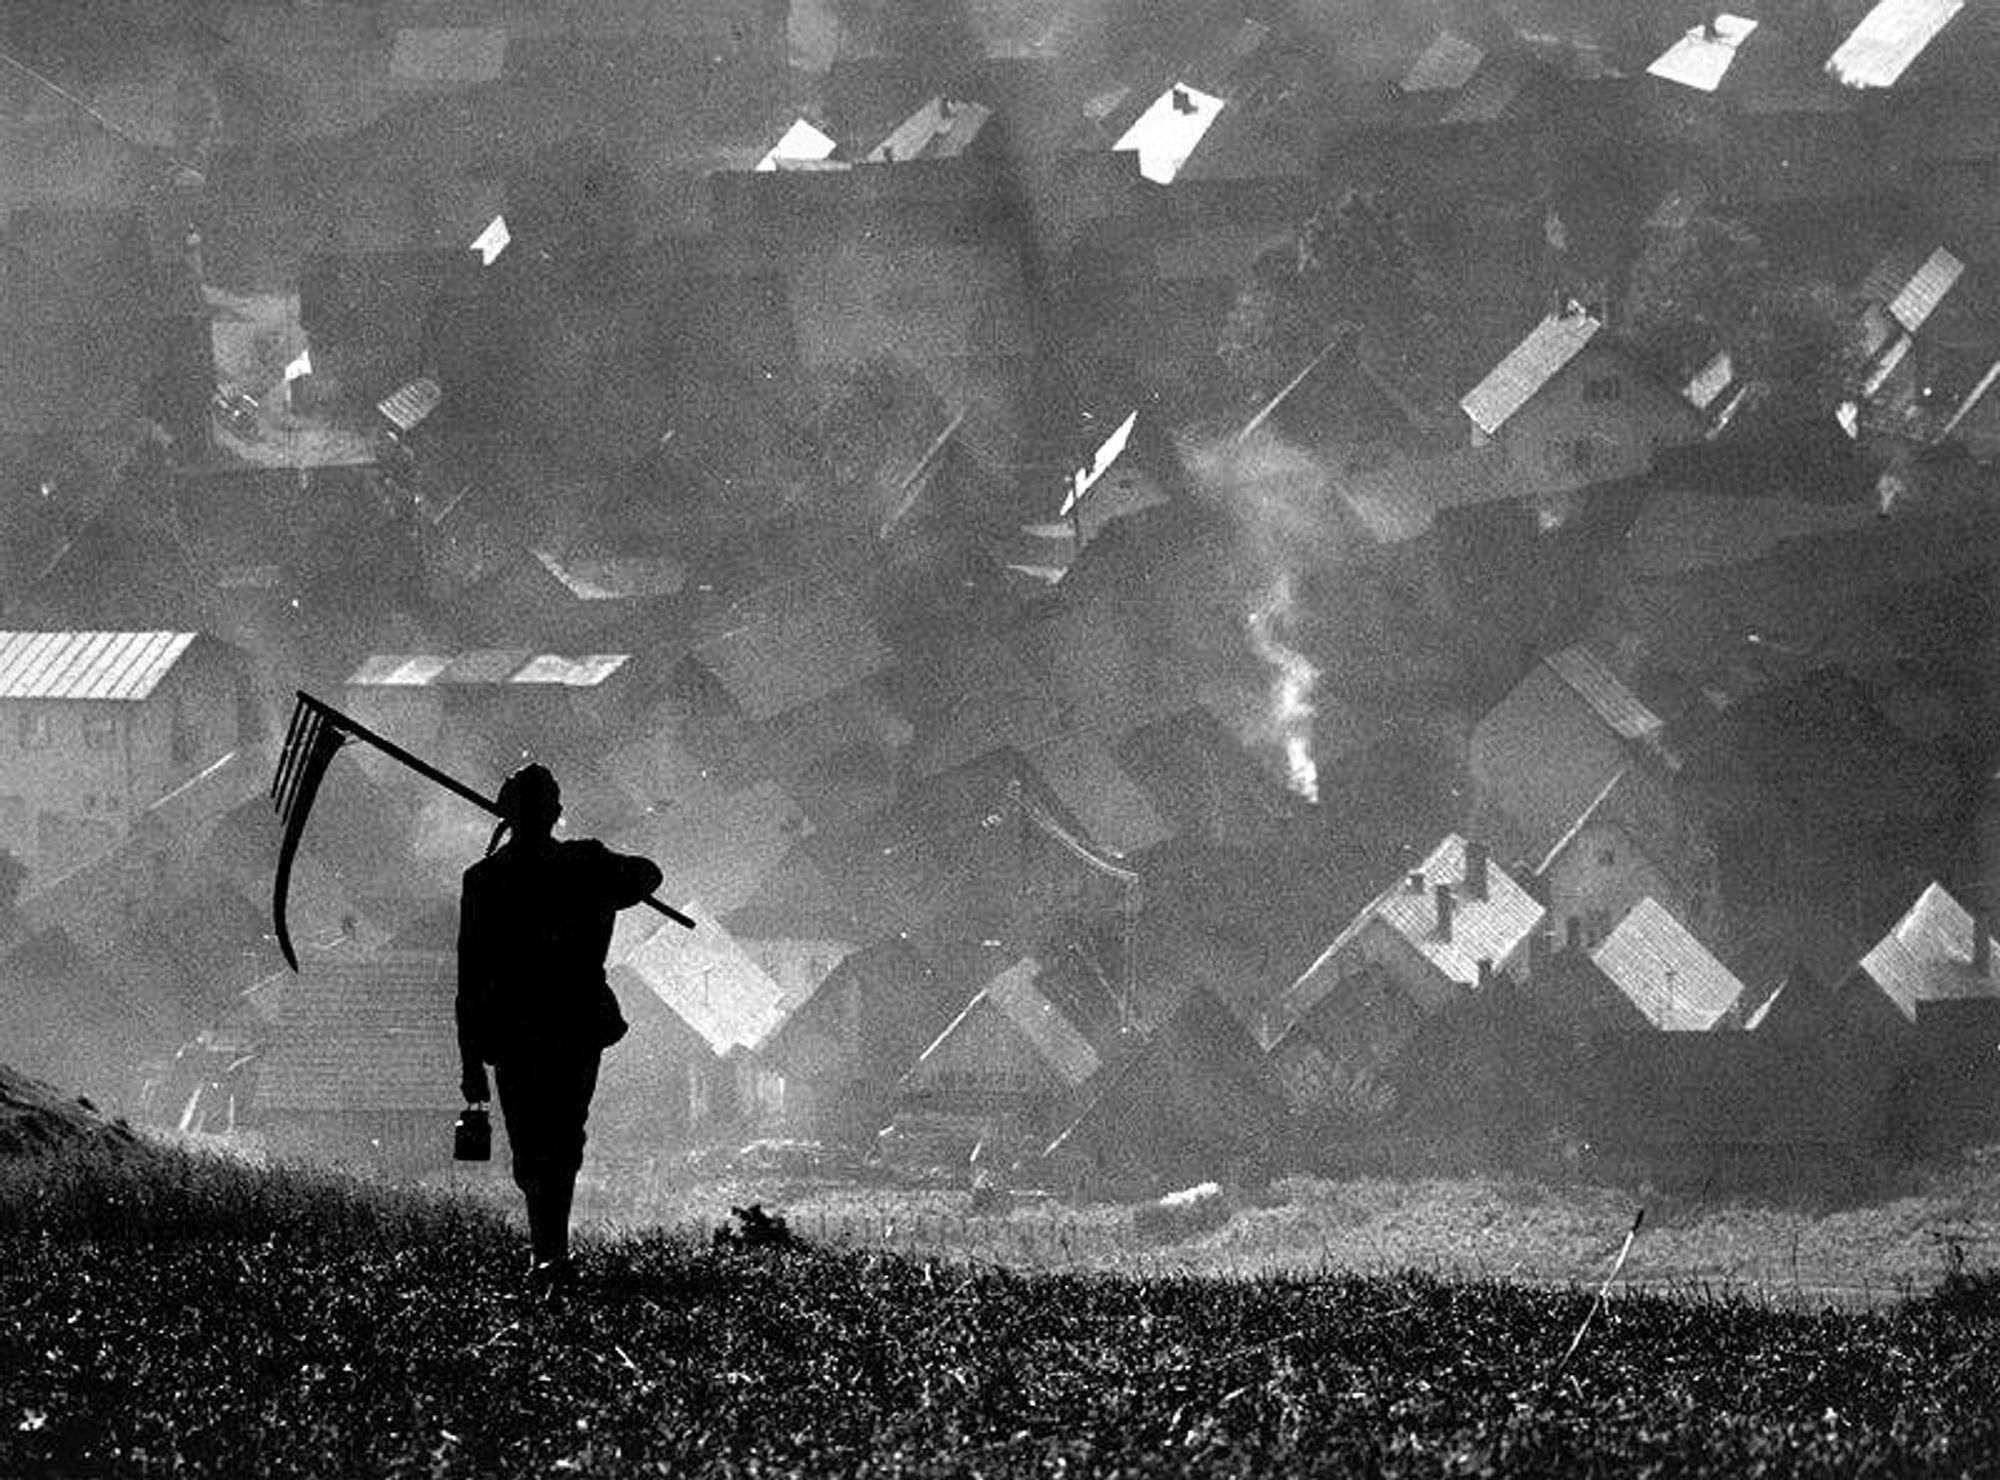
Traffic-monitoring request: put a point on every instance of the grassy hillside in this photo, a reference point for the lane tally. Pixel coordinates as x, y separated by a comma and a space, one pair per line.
164, 1311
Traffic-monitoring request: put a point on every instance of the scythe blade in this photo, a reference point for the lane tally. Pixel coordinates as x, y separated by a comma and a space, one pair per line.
309, 749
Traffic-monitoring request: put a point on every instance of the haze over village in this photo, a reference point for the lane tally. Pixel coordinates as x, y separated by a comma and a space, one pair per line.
1183, 591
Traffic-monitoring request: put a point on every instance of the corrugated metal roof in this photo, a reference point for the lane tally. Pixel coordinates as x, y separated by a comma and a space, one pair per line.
406, 407
1890, 37
485, 666
1166, 135
1601, 689
1919, 297
1529, 366
87, 665
1446, 65
1668, 974
1702, 58
1928, 956
1492, 929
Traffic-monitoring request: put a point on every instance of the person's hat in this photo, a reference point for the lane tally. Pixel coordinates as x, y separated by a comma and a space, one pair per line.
530, 795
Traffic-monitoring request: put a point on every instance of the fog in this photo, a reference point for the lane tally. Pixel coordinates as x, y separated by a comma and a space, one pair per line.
1184, 591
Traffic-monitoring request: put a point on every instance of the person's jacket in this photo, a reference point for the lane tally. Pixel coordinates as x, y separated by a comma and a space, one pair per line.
534, 926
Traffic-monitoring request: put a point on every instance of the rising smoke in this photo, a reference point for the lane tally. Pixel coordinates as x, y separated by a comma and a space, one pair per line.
1276, 496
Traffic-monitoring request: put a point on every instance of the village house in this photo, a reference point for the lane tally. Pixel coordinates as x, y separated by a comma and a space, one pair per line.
833, 1065
1002, 1073
720, 1006
96, 726
1888, 40
1450, 928
363, 1065
1667, 976
1574, 783
1931, 340
1569, 413
1745, 102
1195, 1102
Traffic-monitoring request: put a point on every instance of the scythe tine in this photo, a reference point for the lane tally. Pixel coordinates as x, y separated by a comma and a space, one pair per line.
315, 751
301, 718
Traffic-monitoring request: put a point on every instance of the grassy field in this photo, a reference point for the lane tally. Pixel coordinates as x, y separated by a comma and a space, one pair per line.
173, 1313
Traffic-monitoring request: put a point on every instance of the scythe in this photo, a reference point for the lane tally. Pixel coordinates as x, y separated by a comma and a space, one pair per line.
316, 734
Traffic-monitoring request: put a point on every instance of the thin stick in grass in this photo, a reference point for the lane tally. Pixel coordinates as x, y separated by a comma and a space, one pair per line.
1603, 1291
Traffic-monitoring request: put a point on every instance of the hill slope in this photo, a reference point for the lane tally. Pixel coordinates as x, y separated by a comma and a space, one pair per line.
178, 1312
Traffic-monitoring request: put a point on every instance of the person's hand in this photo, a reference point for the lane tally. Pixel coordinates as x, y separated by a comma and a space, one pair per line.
472, 1084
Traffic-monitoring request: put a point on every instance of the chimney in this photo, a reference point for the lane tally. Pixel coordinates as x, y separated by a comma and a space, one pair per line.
1415, 884
1982, 944
1183, 103
1475, 870
1444, 903
1573, 932
1485, 972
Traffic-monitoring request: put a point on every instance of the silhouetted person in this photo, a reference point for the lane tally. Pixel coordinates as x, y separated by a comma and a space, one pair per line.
535, 919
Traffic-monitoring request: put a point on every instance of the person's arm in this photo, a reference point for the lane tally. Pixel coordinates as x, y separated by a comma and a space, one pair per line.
623, 878
470, 1007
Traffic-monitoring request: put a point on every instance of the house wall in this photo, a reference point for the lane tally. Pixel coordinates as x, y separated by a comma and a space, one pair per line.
1600, 874
76, 774
405, 1143
1597, 421
985, 1059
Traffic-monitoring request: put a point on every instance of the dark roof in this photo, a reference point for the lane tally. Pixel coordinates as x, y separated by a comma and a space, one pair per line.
366, 1035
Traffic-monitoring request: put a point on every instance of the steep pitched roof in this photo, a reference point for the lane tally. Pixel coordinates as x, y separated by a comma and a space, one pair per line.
1529, 366
1621, 710
792, 643
1890, 37
87, 665
1668, 974
1491, 929
703, 975
1015, 997
941, 129
368, 1034
1927, 957
1549, 750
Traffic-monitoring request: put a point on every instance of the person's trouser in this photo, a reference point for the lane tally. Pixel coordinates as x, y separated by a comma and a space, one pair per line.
544, 1101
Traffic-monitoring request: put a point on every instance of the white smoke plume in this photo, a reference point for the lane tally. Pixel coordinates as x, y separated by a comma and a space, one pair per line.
1292, 680
1277, 495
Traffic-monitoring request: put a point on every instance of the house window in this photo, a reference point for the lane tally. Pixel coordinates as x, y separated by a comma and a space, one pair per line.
1603, 389
1582, 454
1607, 855
100, 732
38, 730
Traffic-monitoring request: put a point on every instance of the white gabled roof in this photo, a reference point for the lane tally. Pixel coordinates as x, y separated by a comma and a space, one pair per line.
1928, 956
1665, 972
1702, 58
1446, 65
801, 144
1166, 135
87, 665
1529, 366
1889, 38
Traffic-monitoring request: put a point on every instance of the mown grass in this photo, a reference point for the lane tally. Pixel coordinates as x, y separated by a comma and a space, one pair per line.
171, 1313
